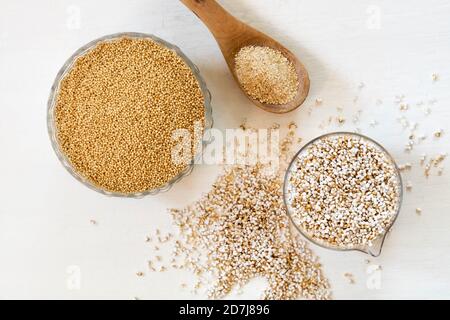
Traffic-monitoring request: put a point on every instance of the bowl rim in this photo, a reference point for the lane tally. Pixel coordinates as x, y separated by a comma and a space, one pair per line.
51, 123
378, 242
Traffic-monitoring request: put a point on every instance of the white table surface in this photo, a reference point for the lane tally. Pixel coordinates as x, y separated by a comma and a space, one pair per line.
47, 243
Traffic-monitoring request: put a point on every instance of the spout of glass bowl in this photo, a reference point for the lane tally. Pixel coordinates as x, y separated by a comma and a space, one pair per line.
377, 245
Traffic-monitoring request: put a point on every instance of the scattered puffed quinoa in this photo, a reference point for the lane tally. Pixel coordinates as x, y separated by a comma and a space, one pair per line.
340, 120
240, 230
439, 133
419, 211
435, 77
140, 274
292, 125
343, 191
319, 101
266, 75
243, 124
408, 186
350, 277
427, 170
434, 162
438, 159
93, 222
423, 158
405, 167
276, 126
404, 106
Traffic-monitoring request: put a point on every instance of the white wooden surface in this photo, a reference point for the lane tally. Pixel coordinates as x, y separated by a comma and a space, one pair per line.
393, 47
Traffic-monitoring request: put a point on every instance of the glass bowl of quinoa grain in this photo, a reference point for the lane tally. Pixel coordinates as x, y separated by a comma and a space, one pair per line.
343, 191
119, 110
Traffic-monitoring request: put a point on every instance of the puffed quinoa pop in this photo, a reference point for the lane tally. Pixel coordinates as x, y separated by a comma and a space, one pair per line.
343, 191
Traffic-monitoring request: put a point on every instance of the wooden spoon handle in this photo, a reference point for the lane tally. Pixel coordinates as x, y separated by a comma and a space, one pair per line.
222, 24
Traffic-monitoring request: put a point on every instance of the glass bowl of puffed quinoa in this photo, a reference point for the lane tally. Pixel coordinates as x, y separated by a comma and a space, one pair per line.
116, 107
343, 191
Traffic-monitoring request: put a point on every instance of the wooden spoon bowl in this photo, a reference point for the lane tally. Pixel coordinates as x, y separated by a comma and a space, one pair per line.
232, 35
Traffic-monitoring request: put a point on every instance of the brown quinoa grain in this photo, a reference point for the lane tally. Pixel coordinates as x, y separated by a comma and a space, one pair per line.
116, 111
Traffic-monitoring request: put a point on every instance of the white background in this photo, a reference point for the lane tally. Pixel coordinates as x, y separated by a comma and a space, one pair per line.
393, 47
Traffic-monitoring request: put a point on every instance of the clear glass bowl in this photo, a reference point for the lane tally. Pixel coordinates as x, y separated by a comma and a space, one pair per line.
377, 244
54, 94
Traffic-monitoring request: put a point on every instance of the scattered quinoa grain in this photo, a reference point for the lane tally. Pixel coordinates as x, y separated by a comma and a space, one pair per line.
404, 106
292, 125
423, 158
340, 120
408, 186
350, 277
439, 133
405, 167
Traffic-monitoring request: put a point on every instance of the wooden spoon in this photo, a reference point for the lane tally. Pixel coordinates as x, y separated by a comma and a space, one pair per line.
232, 35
